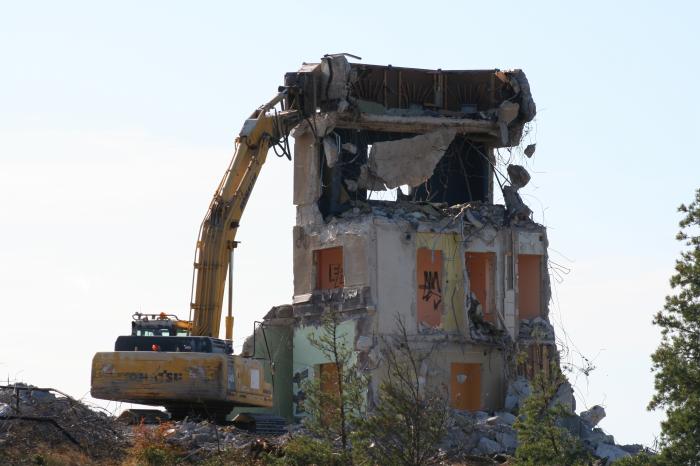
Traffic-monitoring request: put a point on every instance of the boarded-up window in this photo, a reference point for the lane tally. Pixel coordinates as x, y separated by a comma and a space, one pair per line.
328, 373
329, 268
529, 285
429, 281
329, 378
480, 271
465, 386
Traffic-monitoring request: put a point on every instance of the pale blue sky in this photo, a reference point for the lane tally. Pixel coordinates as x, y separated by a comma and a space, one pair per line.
117, 121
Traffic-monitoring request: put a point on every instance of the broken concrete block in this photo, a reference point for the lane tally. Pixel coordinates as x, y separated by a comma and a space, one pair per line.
594, 415
508, 440
489, 447
610, 453
530, 150
564, 397
519, 177
506, 417
518, 391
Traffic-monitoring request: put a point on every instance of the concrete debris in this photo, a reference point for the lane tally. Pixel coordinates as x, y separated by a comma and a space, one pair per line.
530, 150
514, 204
594, 415
564, 397
610, 453
506, 417
518, 390
536, 330
330, 149
369, 180
33, 418
350, 148
472, 217
477, 433
336, 76
507, 112
519, 177
408, 161
521, 86
488, 447
320, 125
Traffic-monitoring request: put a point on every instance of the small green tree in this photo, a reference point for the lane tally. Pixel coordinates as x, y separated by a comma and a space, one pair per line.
335, 401
677, 359
409, 421
541, 441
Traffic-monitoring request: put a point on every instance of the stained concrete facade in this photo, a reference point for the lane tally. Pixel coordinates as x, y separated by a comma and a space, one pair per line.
459, 271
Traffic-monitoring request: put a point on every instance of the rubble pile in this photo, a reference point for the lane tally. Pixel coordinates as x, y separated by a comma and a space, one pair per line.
471, 216
202, 438
536, 330
198, 440
480, 434
32, 417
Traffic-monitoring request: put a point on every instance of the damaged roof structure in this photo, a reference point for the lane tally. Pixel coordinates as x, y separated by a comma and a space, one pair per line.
394, 192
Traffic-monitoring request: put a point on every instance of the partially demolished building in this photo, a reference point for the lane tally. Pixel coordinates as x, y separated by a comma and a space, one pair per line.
394, 181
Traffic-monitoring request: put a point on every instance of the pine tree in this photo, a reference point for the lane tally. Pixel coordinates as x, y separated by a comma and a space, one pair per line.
541, 440
410, 419
676, 362
335, 410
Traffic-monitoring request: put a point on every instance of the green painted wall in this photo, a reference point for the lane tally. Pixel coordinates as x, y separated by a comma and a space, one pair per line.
306, 357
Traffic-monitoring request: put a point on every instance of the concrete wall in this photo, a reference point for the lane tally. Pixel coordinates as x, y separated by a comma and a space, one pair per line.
356, 241
279, 341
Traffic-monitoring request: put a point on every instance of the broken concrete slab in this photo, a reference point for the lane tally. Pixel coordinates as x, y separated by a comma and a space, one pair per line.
409, 161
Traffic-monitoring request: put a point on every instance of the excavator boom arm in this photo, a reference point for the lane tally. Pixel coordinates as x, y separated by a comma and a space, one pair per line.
217, 233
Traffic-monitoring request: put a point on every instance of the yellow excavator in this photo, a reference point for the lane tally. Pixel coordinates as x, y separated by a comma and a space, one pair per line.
183, 365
